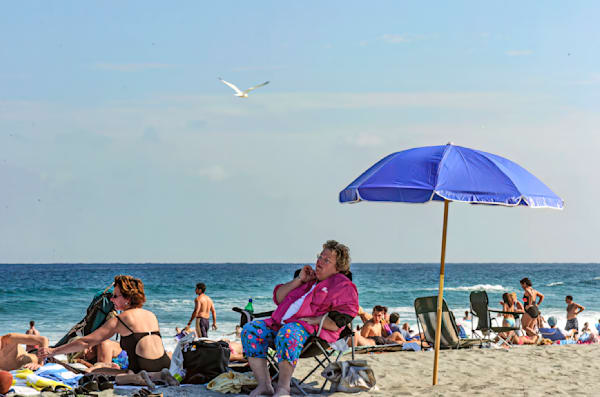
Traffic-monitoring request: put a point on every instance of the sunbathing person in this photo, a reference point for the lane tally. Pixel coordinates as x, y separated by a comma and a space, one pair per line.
317, 296
139, 330
377, 331
13, 354
106, 354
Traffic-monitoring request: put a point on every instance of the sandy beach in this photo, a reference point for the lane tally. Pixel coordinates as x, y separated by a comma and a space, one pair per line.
519, 371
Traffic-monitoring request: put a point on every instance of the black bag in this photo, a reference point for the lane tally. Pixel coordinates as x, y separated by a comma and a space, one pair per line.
203, 361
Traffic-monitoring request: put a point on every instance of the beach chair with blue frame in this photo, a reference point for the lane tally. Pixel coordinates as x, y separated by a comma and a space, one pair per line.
426, 312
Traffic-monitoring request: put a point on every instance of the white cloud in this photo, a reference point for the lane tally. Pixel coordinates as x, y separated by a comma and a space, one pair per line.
396, 38
365, 140
131, 67
363, 43
518, 53
214, 173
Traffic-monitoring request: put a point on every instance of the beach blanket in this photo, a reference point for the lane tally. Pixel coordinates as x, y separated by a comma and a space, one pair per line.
59, 373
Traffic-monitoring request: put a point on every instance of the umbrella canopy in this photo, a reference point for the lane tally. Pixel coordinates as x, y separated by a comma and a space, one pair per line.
449, 173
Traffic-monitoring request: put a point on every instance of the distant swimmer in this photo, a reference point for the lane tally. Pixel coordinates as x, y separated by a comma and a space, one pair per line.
203, 306
238, 92
31, 331
573, 309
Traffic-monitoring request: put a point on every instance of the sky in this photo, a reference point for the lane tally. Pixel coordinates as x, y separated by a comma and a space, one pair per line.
118, 143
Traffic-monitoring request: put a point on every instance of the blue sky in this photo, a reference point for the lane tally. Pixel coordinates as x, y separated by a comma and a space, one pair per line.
119, 144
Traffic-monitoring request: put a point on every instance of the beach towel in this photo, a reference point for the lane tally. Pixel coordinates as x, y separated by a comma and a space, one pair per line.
59, 373
231, 382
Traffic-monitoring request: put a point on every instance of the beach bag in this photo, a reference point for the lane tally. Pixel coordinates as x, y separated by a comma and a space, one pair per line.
204, 360
96, 314
352, 376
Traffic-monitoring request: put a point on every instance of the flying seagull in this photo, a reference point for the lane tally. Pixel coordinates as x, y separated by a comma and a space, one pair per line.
242, 94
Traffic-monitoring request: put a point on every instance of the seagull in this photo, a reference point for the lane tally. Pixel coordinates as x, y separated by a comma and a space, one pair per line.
242, 94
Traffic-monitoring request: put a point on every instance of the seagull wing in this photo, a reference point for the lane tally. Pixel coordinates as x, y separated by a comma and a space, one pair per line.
237, 90
255, 87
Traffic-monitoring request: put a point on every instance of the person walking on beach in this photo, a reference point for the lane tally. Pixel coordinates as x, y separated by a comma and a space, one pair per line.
31, 331
203, 306
573, 309
530, 303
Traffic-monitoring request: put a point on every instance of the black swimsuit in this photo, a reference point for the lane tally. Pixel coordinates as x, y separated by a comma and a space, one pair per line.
137, 363
533, 310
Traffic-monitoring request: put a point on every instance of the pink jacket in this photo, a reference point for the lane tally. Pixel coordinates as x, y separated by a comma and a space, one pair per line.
336, 293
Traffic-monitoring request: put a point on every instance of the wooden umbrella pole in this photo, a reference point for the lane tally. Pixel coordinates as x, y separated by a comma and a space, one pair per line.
438, 329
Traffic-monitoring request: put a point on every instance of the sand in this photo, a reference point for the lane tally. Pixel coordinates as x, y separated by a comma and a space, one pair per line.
520, 371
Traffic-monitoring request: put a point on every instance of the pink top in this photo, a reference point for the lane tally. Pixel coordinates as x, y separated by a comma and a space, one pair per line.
336, 293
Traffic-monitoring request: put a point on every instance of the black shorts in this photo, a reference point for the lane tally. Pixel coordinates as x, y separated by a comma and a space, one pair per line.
533, 311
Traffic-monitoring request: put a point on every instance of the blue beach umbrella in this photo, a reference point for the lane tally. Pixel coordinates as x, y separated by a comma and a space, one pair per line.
449, 173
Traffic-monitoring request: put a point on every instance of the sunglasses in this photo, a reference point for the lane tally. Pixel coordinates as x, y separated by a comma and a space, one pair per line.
115, 296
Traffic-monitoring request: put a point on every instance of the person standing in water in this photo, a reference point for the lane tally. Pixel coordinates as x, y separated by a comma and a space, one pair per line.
31, 331
203, 306
573, 309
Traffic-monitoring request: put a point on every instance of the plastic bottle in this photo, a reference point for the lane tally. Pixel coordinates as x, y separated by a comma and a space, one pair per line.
249, 307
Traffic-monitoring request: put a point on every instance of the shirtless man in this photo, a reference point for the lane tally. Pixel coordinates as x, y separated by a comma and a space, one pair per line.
203, 306
31, 331
14, 356
374, 331
573, 309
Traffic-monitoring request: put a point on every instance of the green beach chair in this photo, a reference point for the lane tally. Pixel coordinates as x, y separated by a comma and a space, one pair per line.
426, 312
480, 308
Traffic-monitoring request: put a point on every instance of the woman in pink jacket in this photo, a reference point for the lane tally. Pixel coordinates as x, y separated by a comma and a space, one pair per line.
323, 293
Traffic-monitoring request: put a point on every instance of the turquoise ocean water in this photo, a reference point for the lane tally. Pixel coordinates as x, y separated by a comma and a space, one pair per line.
57, 295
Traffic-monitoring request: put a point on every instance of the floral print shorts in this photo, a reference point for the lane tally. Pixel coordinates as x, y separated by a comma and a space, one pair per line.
288, 341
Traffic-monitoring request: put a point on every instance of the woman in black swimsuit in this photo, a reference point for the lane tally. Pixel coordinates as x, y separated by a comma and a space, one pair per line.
531, 303
140, 334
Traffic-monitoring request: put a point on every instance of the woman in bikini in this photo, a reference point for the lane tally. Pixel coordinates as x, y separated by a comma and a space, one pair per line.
140, 336
531, 303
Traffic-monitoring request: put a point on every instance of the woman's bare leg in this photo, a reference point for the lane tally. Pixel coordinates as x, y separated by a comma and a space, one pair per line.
261, 373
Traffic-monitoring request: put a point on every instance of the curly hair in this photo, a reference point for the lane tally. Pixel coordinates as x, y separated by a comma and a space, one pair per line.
132, 288
342, 254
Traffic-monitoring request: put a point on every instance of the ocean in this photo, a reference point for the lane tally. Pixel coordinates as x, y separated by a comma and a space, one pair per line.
57, 295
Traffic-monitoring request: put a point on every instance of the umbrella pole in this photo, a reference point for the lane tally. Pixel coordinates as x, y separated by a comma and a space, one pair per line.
438, 329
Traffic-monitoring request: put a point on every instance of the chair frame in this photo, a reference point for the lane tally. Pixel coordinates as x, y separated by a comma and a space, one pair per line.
460, 342
319, 347
484, 320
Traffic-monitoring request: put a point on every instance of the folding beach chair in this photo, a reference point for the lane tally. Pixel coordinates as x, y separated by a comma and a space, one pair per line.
96, 314
426, 311
315, 347
480, 308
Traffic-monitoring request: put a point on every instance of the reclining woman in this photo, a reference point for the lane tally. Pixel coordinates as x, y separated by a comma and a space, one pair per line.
140, 335
106, 354
324, 293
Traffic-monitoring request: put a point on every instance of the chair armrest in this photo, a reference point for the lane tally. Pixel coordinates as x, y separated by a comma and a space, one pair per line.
502, 312
253, 315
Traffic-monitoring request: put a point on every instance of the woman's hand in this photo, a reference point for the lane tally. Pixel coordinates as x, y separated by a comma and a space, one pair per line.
307, 274
44, 352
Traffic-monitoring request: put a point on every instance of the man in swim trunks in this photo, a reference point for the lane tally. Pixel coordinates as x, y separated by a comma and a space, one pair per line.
203, 306
573, 309
14, 356
376, 331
